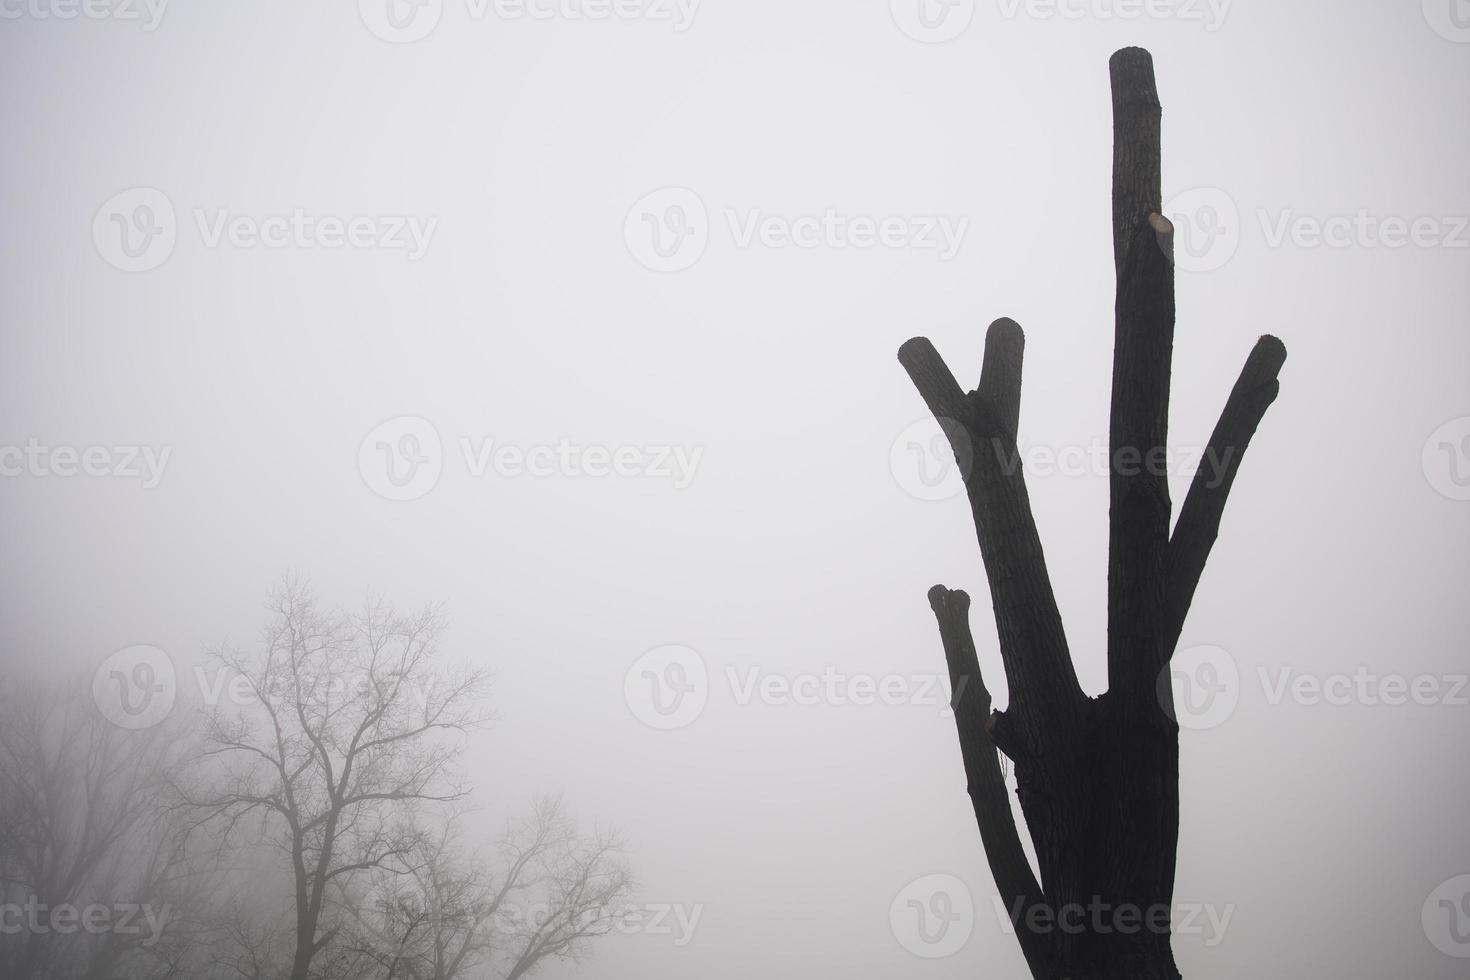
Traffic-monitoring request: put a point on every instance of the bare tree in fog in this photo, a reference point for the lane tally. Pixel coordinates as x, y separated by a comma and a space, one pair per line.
1098, 778
332, 771
420, 917
560, 891
349, 729
310, 825
96, 867
446, 912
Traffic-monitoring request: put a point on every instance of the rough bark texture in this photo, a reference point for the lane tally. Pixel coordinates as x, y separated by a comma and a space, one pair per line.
1097, 778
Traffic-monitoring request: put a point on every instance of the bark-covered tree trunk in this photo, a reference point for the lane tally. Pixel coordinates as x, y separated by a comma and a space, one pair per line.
1097, 778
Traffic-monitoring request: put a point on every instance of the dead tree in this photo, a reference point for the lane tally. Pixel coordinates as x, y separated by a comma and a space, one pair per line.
1097, 777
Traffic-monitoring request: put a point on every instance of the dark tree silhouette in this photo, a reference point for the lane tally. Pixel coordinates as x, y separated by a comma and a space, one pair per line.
1098, 778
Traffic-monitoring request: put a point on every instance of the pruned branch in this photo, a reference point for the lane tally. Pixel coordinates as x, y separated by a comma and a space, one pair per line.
938, 387
999, 393
1137, 159
1204, 505
1008, 865
1142, 359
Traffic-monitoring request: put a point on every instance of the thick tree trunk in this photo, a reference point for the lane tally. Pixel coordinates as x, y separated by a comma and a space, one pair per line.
1097, 778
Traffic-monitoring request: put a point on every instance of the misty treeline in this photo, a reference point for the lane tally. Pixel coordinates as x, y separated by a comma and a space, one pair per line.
308, 819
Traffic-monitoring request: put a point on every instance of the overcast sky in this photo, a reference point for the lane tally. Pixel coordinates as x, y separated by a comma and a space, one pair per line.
586, 328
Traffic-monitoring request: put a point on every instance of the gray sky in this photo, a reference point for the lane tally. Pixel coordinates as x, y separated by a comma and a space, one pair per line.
529, 312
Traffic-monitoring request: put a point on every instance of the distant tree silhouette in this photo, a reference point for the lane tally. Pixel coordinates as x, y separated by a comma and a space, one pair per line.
1098, 778
330, 776
87, 825
444, 913
309, 823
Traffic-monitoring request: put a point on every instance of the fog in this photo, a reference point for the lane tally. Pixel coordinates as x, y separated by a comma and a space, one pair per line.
584, 327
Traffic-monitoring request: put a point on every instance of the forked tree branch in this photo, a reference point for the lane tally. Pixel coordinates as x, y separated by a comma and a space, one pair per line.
1044, 692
